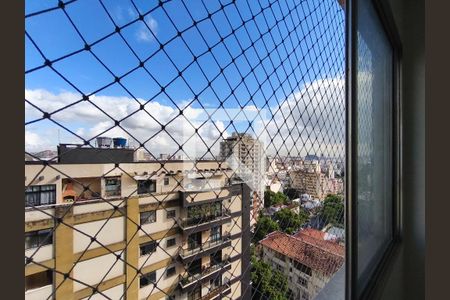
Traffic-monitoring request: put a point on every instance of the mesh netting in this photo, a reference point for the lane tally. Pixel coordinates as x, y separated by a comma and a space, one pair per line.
183, 149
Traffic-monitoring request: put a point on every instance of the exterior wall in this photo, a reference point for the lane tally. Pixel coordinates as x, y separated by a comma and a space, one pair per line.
106, 267
315, 183
39, 293
106, 232
113, 293
106, 221
314, 283
44, 253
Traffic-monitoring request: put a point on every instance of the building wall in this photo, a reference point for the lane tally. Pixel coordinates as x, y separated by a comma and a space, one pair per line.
99, 219
315, 282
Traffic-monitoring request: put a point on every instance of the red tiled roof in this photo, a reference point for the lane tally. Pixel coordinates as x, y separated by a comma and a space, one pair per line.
320, 255
317, 234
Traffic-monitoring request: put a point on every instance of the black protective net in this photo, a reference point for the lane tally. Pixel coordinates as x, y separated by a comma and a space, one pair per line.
183, 149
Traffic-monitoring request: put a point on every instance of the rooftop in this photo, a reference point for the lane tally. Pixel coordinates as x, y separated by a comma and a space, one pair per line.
307, 248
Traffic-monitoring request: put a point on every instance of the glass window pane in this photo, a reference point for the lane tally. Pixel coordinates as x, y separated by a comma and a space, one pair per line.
374, 151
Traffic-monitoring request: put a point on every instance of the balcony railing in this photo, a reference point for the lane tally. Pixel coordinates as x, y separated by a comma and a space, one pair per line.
187, 223
223, 289
184, 253
189, 279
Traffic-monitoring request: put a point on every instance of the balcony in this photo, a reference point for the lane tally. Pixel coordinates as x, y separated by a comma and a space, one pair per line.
188, 282
193, 225
194, 197
188, 255
218, 291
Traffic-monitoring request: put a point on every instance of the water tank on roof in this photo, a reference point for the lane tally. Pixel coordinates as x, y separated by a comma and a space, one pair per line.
119, 142
104, 142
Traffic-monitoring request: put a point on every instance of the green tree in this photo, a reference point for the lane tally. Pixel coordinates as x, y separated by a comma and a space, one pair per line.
271, 198
290, 221
264, 226
333, 210
268, 283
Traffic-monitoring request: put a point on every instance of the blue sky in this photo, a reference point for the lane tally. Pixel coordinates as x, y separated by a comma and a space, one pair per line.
316, 45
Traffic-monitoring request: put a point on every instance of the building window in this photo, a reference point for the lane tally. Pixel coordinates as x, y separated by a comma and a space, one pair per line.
374, 151
217, 282
216, 233
38, 280
38, 238
302, 281
147, 279
170, 271
148, 217
171, 242
166, 180
280, 256
36, 195
195, 294
146, 187
112, 187
194, 240
215, 258
301, 267
148, 248
171, 214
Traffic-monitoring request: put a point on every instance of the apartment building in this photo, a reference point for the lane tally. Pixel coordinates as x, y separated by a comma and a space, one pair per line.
315, 181
244, 154
135, 230
306, 259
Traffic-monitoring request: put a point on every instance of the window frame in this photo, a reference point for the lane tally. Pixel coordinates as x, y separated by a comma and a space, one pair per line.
118, 185
170, 269
41, 236
141, 191
385, 17
171, 239
142, 247
147, 218
146, 277
38, 194
171, 211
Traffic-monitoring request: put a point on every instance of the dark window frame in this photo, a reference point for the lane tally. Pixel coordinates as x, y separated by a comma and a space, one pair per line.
41, 238
114, 193
147, 279
145, 187
215, 236
171, 211
384, 13
174, 242
171, 271
166, 180
148, 248
37, 191
145, 220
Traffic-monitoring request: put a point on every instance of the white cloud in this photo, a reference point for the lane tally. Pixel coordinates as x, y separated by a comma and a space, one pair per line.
144, 34
311, 120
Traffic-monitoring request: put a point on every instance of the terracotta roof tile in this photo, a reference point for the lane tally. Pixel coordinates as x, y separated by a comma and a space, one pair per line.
320, 255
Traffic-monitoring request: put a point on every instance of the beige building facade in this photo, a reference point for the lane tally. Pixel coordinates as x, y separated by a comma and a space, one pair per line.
142, 230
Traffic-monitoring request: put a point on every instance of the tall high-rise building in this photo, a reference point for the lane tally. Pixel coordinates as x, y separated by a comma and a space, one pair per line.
244, 154
122, 228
